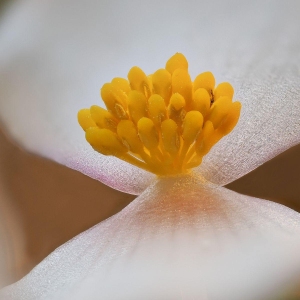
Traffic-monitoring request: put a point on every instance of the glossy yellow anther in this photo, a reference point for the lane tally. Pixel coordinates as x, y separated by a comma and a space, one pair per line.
170, 137
162, 123
177, 61
103, 118
206, 81
105, 141
182, 84
219, 111
139, 81
85, 119
157, 109
161, 81
205, 141
128, 133
176, 108
147, 133
231, 119
201, 101
114, 100
192, 125
137, 105
122, 84
224, 89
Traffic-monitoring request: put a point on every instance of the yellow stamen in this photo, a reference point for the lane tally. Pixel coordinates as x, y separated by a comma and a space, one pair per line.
177, 61
85, 119
161, 81
201, 101
162, 123
105, 141
170, 136
176, 108
137, 105
219, 110
114, 100
139, 81
224, 89
147, 133
128, 133
206, 81
103, 118
182, 84
157, 109
205, 140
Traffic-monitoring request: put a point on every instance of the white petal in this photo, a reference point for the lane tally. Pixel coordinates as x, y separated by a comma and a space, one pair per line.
181, 239
55, 55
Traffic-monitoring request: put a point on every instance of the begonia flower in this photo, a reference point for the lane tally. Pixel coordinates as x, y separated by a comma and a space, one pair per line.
184, 236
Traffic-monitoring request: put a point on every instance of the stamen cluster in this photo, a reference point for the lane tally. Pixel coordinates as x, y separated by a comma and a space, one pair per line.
163, 123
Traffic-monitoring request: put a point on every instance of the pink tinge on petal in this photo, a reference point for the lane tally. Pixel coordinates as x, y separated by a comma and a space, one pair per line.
52, 65
181, 238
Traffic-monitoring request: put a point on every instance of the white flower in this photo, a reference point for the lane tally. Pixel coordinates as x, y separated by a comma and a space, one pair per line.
182, 238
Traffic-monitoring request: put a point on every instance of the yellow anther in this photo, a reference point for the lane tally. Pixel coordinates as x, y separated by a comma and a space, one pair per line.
192, 125
85, 119
201, 101
114, 100
177, 61
170, 137
103, 118
182, 84
128, 134
206, 81
176, 108
219, 111
105, 141
224, 89
161, 81
157, 109
162, 123
137, 105
147, 133
139, 81
205, 141
122, 84
231, 119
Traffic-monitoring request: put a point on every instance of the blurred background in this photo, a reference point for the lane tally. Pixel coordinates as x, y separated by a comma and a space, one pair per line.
43, 204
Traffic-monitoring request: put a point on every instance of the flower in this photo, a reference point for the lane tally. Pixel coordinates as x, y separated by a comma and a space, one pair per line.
162, 123
183, 237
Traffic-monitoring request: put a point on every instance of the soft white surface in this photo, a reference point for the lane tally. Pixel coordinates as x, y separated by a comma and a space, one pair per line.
55, 55
180, 239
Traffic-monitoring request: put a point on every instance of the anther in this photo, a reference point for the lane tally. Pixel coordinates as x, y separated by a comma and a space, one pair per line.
157, 109
103, 118
177, 61
170, 137
137, 105
182, 84
105, 141
114, 100
201, 101
85, 119
224, 89
204, 80
139, 81
161, 81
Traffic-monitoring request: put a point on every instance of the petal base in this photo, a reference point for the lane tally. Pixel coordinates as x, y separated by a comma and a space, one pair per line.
183, 238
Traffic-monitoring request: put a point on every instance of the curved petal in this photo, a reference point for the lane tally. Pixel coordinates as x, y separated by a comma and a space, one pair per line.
180, 239
56, 54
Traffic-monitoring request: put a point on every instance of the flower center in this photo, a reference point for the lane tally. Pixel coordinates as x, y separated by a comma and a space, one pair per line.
163, 123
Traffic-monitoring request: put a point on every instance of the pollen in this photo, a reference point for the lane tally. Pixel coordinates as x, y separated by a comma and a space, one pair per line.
164, 123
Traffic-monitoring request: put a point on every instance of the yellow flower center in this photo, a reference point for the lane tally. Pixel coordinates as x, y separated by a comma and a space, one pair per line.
163, 123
